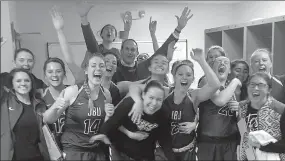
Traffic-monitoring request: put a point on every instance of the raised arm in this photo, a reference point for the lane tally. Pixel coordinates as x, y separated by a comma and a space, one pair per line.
181, 23
152, 29
66, 98
221, 98
58, 23
83, 9
204, 93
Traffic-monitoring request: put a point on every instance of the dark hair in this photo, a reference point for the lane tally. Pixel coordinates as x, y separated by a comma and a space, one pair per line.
111, 53
263, 75
267, 51
33, 92
240, 61
25, 50
123, 43
155, 55
151, 84
108, 25
218, 48
183, 62
55, 60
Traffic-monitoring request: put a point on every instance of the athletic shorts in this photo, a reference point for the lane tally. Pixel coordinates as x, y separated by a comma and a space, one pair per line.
84, 156
215, 151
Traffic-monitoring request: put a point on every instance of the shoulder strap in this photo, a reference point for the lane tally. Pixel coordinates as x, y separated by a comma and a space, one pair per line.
278, 81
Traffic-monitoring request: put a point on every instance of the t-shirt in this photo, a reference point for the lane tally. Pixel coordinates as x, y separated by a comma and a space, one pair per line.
251, 119
157, 125
27, 135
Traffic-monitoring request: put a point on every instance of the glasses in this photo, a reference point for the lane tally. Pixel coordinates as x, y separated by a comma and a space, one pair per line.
259, 85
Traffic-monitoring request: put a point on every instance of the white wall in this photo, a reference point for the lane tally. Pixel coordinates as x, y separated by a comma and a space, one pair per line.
248, 10
7, 48
34, 17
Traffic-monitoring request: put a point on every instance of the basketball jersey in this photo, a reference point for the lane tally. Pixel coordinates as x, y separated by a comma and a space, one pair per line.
184, 112
58, 125
82, 122
115, 94
215, 121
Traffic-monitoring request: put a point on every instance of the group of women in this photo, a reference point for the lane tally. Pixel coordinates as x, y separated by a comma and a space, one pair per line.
142, 120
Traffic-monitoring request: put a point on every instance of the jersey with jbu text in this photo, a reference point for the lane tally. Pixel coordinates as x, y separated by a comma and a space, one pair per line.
82, 122
179, 113
216, 121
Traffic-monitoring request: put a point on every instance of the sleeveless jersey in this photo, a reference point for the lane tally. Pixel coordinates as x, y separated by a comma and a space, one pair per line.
184, 112
58, 125
215, 121
115, 94
82, 122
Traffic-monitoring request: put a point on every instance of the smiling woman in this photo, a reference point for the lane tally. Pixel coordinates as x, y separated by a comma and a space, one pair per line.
21, 119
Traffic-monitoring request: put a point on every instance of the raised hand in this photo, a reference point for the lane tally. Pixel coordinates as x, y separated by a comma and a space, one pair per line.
100, 137
139, 135
83, 8
187, 127
128, 21
152, 26
57, 18
197, 54
183, 19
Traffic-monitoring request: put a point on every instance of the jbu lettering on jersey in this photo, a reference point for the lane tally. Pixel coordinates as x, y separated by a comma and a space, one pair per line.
96, 111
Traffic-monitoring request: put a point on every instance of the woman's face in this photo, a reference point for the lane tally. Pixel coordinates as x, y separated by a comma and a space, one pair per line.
152, 100
24, 60
109, 34
22, 83
95, 70
54, 74
240, 71
159, 65
111, 65
260, 62
184, 77
257, 89
222, 67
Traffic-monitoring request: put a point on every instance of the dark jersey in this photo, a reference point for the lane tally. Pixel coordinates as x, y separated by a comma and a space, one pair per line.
115, 94
178, 113
58, 125
156, 125
82, 122
278, 88
215, 121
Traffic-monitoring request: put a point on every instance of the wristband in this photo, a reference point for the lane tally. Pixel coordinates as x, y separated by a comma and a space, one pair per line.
177, 30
